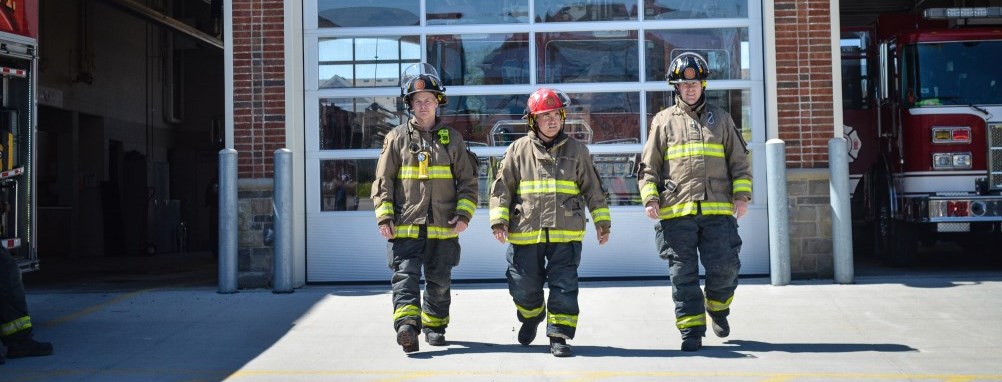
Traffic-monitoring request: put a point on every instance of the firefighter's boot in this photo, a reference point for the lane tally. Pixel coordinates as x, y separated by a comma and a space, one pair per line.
435, 337
559, 347
693, 343
407, 337
720, 326
22, 344
527, 333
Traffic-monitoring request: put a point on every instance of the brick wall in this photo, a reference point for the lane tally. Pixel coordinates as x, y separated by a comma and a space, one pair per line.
258, 85
258, 128
804, 80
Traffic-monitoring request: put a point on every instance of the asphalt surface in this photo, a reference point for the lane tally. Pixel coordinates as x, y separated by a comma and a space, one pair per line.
922, 325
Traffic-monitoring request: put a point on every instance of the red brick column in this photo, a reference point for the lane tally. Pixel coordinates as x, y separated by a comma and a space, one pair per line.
804, 80
258, 85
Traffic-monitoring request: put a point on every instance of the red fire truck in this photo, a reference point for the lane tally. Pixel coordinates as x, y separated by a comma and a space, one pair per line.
18, 64
922, 97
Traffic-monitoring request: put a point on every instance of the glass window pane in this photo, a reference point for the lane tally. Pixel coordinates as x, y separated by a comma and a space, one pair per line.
619, 177
725, 50
345, 184
358, 123
443, 12
600, 56
735, 102
481, 59
585, 10
688, 9
366, 13
347, 62
612, 117
475, 116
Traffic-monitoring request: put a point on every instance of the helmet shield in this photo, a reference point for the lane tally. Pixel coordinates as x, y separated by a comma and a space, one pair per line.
421, 78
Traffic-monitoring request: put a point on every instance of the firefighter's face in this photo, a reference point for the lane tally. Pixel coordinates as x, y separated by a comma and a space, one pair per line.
549, 124
424, 104
690, 91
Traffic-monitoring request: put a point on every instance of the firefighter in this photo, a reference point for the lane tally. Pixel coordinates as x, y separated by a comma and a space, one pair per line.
537, 203
425, 193
15, 323
695, 179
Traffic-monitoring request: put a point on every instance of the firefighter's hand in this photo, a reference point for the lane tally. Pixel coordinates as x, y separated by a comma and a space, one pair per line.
602, 234
386, 230
460, 225
740, 207
501, 233
652, 209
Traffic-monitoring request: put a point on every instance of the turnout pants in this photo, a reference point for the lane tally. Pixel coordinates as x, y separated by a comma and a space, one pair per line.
407, 258
14, 319
529, 266
714, 241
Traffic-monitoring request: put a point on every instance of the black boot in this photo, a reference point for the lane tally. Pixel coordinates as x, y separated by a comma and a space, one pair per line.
559, 347
407, 338
692, 343
720, 326
528, 332
22, 345
435, 337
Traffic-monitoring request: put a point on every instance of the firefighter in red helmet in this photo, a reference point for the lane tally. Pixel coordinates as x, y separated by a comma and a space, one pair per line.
695, 179
544, 182
425, 193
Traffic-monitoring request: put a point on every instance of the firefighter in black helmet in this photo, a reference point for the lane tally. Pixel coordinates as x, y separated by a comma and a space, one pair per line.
425, 193
695, 179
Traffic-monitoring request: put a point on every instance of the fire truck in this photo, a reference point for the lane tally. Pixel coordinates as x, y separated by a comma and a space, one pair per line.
18, 65
922, 97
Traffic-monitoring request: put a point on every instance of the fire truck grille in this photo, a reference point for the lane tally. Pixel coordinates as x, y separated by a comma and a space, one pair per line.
995, 156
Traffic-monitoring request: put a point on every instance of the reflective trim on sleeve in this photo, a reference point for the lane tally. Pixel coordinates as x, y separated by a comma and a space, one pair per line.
716, 306
707, 208
434, 172
548, 186
694, 149
562, 319
499, 213
536, 237
430, 321
406, 311
529, 313
385, 209
742, 185
601, 215
15, 326
466, 205
649, 191
690, 321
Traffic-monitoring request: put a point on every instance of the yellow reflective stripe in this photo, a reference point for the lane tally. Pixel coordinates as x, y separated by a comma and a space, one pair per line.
430, 321
529, 313
601, 215
15, 326
684, 209
716, 306
467, 206
499, 213
695, 149
435, 232
411, 231
741, 185
385, 209
406, 311
562, 319
535, 237
548, 185
690, 321
407, 231
649, 191
434, 172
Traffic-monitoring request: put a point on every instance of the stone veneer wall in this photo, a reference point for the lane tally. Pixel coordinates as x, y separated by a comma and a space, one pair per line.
255, 256
811, 253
